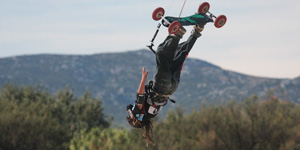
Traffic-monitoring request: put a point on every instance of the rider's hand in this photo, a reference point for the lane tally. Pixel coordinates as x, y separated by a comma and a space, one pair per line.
144, 74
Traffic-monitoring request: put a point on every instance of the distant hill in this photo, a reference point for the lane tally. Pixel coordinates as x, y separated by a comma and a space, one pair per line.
115, 77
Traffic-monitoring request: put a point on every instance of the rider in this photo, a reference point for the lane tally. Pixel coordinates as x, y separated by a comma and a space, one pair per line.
151, 98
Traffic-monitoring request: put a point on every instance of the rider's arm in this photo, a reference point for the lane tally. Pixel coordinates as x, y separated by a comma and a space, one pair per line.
141, 90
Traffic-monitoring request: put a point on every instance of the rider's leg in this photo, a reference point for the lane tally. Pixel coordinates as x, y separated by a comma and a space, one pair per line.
164, 59
185, 47
181, 54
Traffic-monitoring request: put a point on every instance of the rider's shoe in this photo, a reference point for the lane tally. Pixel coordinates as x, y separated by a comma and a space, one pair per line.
181, 32
197, 29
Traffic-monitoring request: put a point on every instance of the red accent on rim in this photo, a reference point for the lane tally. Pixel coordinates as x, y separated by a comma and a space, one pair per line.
204, 7
174, 27
158, 13
220, 21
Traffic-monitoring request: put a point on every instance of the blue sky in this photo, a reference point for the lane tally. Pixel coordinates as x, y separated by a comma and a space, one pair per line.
261, 38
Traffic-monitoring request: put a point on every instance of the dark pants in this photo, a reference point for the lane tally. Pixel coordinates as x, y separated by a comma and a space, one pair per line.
170, 57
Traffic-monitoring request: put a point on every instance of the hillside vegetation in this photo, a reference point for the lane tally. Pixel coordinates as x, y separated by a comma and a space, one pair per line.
115, 78
33, 119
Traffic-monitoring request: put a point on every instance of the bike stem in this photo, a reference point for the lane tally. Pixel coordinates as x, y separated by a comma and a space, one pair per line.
211, 14
166, 20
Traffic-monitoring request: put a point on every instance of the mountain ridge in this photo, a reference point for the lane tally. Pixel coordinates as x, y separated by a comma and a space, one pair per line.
115, 77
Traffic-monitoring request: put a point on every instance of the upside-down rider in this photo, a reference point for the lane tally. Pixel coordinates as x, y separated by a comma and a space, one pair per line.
151, 98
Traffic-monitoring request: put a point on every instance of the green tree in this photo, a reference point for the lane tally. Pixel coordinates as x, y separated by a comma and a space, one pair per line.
31, 118
252, 125
101, 139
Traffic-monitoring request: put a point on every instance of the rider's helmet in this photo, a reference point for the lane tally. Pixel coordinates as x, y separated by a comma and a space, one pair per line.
131, 119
